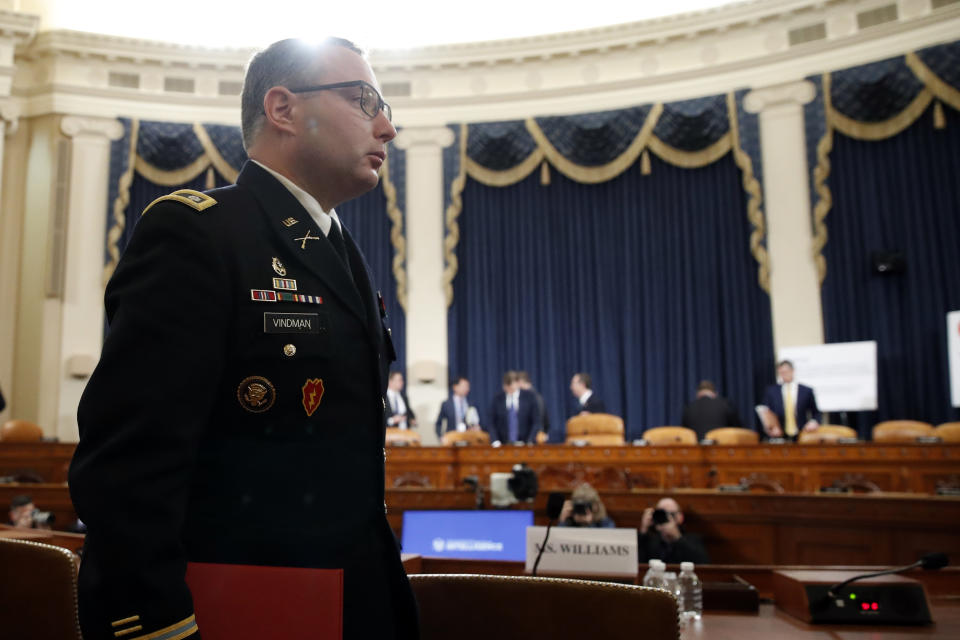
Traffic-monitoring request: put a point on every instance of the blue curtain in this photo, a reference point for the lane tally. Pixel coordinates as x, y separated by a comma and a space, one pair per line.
901, 194
645, 282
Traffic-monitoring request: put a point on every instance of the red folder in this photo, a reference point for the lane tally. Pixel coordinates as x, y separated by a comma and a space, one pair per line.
241, 602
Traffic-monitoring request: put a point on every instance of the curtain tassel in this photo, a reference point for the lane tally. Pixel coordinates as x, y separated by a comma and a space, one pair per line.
645, 163
939, 118
211, 182
544, 173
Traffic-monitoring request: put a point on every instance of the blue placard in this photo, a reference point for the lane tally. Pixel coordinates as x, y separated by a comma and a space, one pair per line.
481, 535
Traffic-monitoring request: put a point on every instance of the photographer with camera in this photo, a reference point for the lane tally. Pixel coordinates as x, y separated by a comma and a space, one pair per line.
661, 536
584, 509
23, 513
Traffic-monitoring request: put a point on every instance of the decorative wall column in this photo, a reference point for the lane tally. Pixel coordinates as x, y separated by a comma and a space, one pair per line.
81, 329
794, 285
426, 302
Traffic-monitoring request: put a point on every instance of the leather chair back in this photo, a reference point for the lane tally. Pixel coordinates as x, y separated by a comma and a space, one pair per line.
901, 430
948, 431
402, 437
595, 429
475, 607
470, 436
38, 592
670, 435
826, 433
20, 431
732, 436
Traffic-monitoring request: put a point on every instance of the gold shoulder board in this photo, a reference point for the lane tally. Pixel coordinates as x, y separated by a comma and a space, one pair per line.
189, 197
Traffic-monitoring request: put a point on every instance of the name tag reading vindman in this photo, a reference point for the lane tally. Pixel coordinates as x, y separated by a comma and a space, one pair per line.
291, 322
583, 551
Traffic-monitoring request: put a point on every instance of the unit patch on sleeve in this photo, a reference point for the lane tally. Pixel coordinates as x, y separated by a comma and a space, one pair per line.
291, 322
312, 394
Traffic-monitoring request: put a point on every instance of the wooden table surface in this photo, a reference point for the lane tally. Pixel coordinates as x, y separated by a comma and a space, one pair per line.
772, 624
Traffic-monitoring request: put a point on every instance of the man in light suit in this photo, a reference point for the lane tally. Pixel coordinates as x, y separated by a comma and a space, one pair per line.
515, 413
453, 410
780, 398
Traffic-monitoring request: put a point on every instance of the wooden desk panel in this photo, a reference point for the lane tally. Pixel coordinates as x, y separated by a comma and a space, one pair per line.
48, 460
911, 468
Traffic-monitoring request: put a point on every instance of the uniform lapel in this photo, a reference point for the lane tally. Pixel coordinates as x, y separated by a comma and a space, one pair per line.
303, 239
364, 280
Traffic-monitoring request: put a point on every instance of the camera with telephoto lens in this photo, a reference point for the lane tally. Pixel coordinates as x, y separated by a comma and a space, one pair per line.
42, 518
660, 516
582, 507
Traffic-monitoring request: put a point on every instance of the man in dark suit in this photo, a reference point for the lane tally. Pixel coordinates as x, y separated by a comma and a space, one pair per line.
523, 380
515, 416
780, 398
709, 411
581, 386
455, 412
398, 405
237, 412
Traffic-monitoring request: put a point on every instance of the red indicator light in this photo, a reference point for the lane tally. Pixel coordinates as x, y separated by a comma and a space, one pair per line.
874, 606
865, 606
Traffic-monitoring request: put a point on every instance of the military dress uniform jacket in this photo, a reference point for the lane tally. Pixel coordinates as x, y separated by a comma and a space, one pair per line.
236, 415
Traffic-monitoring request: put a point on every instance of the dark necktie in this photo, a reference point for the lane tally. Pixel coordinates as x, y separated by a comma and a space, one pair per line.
336, 239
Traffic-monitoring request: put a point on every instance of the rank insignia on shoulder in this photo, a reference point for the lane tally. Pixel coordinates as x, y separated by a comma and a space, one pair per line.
194, 199
285, 283
289, 222
278, 267
312, 394
256, 394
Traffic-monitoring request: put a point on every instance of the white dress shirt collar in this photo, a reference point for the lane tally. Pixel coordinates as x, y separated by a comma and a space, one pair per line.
586, 396
321, 217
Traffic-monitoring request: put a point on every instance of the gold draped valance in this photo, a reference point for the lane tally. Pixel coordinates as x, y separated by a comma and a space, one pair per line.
546, 155
934, 89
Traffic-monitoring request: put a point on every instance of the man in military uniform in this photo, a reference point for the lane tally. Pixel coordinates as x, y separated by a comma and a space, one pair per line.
236, 415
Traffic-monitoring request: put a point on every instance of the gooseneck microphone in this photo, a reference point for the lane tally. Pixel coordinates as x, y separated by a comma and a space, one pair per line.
929, 561
554, 507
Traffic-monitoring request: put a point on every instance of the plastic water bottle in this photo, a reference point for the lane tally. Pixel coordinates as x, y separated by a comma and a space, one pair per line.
653, 576
690, 593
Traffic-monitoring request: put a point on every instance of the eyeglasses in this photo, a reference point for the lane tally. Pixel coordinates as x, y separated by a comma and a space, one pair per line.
370, 101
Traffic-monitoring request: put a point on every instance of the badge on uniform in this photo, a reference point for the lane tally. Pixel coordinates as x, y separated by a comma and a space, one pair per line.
291, 322
256, 394
266, 295
289, 222
312, 394
278, 267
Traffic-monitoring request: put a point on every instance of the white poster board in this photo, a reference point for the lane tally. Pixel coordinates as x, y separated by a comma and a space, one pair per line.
953, 354
583, 551
843, 375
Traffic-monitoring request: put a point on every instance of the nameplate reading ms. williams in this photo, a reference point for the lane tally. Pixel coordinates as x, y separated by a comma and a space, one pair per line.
583, 551
291, 323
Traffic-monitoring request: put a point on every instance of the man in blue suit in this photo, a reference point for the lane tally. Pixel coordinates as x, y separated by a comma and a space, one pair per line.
515, 413
781, 398
453, 410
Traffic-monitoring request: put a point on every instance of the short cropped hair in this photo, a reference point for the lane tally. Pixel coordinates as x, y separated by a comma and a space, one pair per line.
20, 500
285, 63
784, 362
585, 379
706, 385
394, 374
457, 380
509, 377
523, 376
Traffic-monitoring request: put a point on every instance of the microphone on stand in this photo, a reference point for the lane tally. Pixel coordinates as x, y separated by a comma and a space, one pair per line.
929, 561
554, 507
